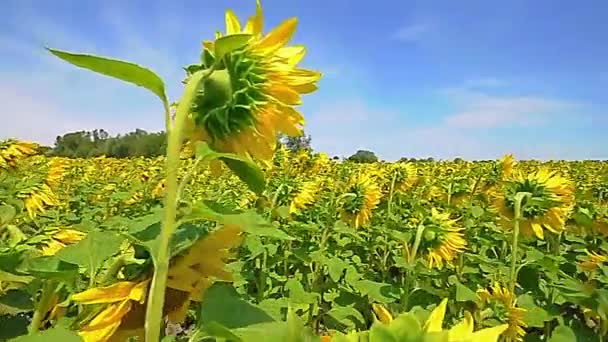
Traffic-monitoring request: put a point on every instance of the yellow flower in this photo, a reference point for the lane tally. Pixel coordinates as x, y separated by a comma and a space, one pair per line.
37, 198
57, 168
305, 197
120, 296
382, 314
251, 98
363, 196
551, 200
61, 239
507, 163
159, 189
442, 240
405, 176
12, 151
189, 276
505, 309
461, 332
593, 261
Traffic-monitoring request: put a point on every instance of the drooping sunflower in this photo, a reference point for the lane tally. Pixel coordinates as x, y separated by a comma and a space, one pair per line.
442, 240
61, 239
37, 197
361, 198
12, 151
503, 306
56, 169
405, 176
190, 274
250, 97
507, 163
551, 200
433, 326
592, 261
305, 197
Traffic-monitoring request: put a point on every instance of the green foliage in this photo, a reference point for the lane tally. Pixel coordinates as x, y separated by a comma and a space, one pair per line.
84, 144
363, 156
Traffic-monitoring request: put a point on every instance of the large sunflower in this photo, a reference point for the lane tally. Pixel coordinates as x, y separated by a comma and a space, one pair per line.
442, 240
305, 197
362, 196
550, 201
503, 305
250, 98
190, 274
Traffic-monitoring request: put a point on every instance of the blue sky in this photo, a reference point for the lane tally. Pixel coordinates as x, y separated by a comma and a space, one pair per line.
474, 79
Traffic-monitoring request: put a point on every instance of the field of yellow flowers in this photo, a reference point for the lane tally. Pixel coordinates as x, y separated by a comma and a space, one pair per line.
349, 252
227, 238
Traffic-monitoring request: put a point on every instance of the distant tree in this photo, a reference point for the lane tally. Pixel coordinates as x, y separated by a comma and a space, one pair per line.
83, 144
295, 144
363, 156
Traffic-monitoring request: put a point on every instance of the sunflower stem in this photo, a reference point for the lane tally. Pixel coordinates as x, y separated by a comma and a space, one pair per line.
519, 197
390, 195
154, 310
48, 290
418, 239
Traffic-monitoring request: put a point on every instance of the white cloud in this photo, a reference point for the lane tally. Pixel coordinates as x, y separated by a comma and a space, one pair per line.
481, 110
414, 31
484, 82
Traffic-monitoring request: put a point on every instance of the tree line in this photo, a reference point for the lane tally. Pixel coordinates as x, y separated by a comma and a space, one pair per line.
140, 143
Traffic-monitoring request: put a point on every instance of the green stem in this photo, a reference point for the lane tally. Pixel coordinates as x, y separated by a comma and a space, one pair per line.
187, 177
154, 310
515, 241
390, 195
48, 290
417, 241
167, 117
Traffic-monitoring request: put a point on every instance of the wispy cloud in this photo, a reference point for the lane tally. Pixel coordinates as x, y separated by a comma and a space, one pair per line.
484, 82
477, 109
415, 30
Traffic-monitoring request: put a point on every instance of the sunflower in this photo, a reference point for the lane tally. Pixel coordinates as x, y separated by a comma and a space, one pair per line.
503, 305
159, 189
305, 197
405, 175
461, 332
190, 274
507, 163
250, 97
550, 201
442, 239
362, 196
56, 170
61, 239
12, 151
37, 197
593, 261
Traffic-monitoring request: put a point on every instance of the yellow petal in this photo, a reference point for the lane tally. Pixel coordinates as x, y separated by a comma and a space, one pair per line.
435, 320
382, 313
255, 24
103, 326
110, 294
488, 334
232, 23
278, 37
462, 330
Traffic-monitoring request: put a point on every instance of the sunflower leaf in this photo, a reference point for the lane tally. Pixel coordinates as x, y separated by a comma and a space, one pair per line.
562, 333
248, 171
55, 334
125, 71
92, 251
227, 44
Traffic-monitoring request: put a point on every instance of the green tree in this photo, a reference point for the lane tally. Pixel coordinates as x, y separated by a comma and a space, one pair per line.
363, 156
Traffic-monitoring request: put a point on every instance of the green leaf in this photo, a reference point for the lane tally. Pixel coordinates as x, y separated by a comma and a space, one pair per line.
347, 315
464, 294
297, 294
221, 304
227, 44
121, 70
53, 268
562, 333
55, 334
13, 326
336, 267
244, 168
376, 291
7, 213
92, 251
534, 316
15, 301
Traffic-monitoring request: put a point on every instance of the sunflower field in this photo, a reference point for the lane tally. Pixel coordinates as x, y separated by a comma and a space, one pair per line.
231, 238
